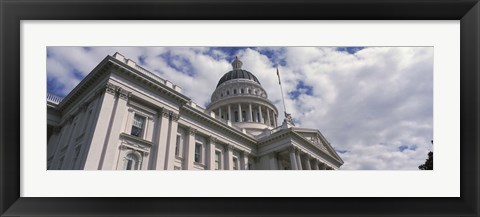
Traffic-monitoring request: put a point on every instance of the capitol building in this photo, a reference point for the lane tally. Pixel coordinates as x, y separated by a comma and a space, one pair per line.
124, 117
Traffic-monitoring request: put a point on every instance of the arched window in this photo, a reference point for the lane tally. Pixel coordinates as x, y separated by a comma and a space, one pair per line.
228, 92
234, 91
249, 91
242, 91
132, 162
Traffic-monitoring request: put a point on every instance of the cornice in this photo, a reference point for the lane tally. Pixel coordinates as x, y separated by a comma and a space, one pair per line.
102, 69
148, 81
90, 80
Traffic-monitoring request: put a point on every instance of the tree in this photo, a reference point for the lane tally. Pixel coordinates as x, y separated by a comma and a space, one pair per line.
428, 165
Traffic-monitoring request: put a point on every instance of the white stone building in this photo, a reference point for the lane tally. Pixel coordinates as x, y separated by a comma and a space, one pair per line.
123, 117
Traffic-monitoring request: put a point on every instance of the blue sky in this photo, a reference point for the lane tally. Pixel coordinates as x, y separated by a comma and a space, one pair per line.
374, 104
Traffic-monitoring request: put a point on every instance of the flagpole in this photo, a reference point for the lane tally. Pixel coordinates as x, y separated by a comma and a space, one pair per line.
283, 98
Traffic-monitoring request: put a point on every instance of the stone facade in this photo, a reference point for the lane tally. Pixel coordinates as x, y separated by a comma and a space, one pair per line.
123, 117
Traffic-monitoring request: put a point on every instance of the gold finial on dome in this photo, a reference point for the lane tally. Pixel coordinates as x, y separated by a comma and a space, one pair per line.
237, 64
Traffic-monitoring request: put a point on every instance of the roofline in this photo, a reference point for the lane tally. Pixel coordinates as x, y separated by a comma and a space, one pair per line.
101, 69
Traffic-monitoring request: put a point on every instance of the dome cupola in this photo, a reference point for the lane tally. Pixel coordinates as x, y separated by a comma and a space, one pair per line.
237, 64
237, 73
240, 99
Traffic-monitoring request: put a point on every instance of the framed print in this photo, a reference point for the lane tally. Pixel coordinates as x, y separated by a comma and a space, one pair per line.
40, 40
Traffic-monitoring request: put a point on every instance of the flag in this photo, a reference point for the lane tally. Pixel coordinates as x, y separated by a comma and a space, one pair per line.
278, 74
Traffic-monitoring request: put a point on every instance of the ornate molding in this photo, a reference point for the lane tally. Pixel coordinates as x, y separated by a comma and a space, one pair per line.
192, 131
174, 117
84, 106
230, 147
212, 139
111, 88
123, 94
292, 149
165, 113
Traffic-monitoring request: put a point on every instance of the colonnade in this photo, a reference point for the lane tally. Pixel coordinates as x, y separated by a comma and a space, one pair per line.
248, 113
304, 161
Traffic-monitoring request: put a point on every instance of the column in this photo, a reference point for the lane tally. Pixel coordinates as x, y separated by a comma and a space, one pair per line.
53, 141
299, 160
260, 112
239, 113
307, 162
211, 153
275, 119
293, 158
111, 150
160, 142
220, 113
190, 150
144, 165
268, 117
245, 160
228, 157
315, 164
65, 135
172, 140
93, 114
322, 166
250, 118
100, 128
83, 119
229, 113
272, 159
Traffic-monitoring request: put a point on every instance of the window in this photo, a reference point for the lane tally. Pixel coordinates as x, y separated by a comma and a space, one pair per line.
221, 95
228, 92
131, 162
137, 126
249, 91
234, 91
244, 115
177, 145
235, 163
242, 91
218, 163
250, 166
198, 152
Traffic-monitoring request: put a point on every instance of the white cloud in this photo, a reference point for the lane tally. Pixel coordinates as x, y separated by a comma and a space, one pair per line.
368, 104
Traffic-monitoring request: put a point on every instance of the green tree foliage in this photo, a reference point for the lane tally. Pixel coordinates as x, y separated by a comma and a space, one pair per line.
428, 165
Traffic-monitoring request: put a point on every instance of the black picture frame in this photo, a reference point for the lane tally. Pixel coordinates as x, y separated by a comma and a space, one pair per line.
13, 11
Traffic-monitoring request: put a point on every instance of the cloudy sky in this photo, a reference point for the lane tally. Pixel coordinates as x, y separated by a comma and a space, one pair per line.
374, 104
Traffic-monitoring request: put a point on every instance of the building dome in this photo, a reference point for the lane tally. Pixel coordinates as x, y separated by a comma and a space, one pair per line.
240, 100
237, 73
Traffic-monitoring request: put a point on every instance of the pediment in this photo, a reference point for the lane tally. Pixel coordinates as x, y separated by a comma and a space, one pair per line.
316, 138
